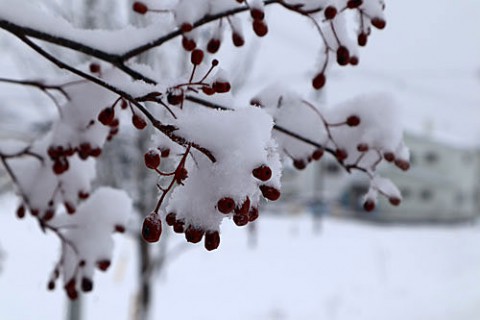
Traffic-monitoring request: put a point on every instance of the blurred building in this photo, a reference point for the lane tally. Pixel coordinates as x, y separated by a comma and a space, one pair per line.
442, 185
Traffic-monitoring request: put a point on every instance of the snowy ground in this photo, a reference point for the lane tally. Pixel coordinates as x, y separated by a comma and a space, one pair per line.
349, 271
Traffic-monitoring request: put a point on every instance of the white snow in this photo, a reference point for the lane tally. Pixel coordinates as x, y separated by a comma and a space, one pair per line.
348, 271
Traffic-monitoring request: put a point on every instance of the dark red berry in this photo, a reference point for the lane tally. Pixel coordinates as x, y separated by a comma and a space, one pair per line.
221, 86
138, 122
319, 81
48, 215
379, 23
175, 97
394, 201
165, 153
212, 240
87, 285
171, 218
152, 159
402, 164
103, 265
209, 91
237, 40
352, 4
369, 205
188, 44
139, 7
353, 121
299, 164
226, 205
119, 228
389, 156
83, 195
71, 289
213, 45
152, 228
362, 39
362, 147
343, 56
270, 193
106, 116
244, 208
257, 14
260, 28
197, 57
51, 285
330, 12
353, 60
181, 174
193, 234
317, 154
21, 211
341, 154
95, 152
240, 219
186, 27
263, 173
84, 150
253, 214
179, 226
95, 67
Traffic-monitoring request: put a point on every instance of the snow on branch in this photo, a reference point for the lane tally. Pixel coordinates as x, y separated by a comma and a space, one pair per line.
214, 159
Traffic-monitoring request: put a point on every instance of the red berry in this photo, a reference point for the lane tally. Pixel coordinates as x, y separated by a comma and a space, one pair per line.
317, 154
138, 122
221, 86
341, 154
188, 44
244, 208
260, 28
87, 285
389, 156
343, 56
379, 23
394, 201
83, 195
165, 153
369, 205
103, 265
193, 234
181, 174
21, 211
213, 45
106, 116
212, 240
48, 215
226, 205
319, 81
253, 214
71, 289
170, 219
263, 173
240, 219
95, 67
237, 40
152, 159
152, 228
353, 121
196, 57
175, 97
402, 164
119, 228
209, 91
257, 14
362, 147
353, 60
186, 27
179, 226
51, 285
60, 166
330, 12
362, 39
95, 152
352, 4
270, 193
84, 150
299, 164
140, 7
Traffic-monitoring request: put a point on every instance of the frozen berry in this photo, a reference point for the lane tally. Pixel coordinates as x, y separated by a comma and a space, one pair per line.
362, 39
263, 173
341, 154
226, 205
87, 285
171, 218
257, 14
237, 40
394, 201
212, 240
353, 121
106, 116
193, 234
299, 164
188, 44
95, 67
197, 56
270, 193
369, 205
139, 122
244, 208
260, 28
352, 4
330, 12
152, 228
379, 23
319, 81
402, 164
240, 219
213, 45
343, 56
103, 265
317, 154
152, 159
139, 7
389, 156
253, 214
362, 147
